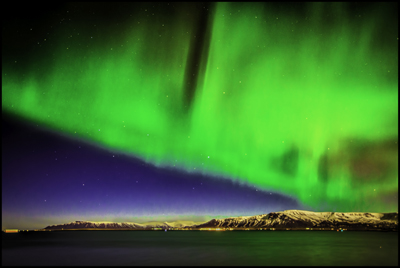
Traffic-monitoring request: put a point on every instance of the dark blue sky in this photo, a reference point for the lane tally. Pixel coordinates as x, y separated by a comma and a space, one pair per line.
48, 179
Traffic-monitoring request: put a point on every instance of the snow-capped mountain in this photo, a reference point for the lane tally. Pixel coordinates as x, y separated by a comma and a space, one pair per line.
122, 225
309, 219
283, 219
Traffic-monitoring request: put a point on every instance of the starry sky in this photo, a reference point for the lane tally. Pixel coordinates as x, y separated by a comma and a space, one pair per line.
191, 111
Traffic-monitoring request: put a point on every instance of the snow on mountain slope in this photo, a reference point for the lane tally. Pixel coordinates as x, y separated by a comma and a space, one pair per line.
104, 225
305, 219
122, 225
181, 224
282, 219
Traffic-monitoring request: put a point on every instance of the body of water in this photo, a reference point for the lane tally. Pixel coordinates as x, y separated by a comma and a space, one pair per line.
200, 248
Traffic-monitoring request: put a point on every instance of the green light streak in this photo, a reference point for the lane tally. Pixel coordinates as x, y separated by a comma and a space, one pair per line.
284, 104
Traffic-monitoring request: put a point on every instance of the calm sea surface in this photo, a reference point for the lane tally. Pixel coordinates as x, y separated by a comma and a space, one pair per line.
200, 248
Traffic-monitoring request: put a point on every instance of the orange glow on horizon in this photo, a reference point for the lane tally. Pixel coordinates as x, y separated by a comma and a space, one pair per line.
11, 230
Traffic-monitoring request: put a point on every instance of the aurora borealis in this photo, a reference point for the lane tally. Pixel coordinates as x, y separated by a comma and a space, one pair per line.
296, 99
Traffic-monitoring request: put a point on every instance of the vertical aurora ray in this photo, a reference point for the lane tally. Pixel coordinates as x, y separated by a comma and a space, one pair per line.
304, 103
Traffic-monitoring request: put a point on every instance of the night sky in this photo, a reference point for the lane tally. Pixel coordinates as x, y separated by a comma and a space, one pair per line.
191, 111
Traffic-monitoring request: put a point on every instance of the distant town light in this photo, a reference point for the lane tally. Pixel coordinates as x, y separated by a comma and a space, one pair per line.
11, 230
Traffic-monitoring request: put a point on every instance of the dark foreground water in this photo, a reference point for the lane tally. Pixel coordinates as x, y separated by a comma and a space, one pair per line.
200, 248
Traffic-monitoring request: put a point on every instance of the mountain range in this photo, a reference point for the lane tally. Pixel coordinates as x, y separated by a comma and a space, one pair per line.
293, 219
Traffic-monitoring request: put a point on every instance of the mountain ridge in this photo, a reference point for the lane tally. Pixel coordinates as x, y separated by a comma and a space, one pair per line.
294, 219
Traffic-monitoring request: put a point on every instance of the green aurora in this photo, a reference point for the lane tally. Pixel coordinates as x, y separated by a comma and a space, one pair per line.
302, 105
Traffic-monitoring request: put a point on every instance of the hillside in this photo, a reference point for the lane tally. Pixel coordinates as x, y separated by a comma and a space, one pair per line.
309, 219
279, 220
